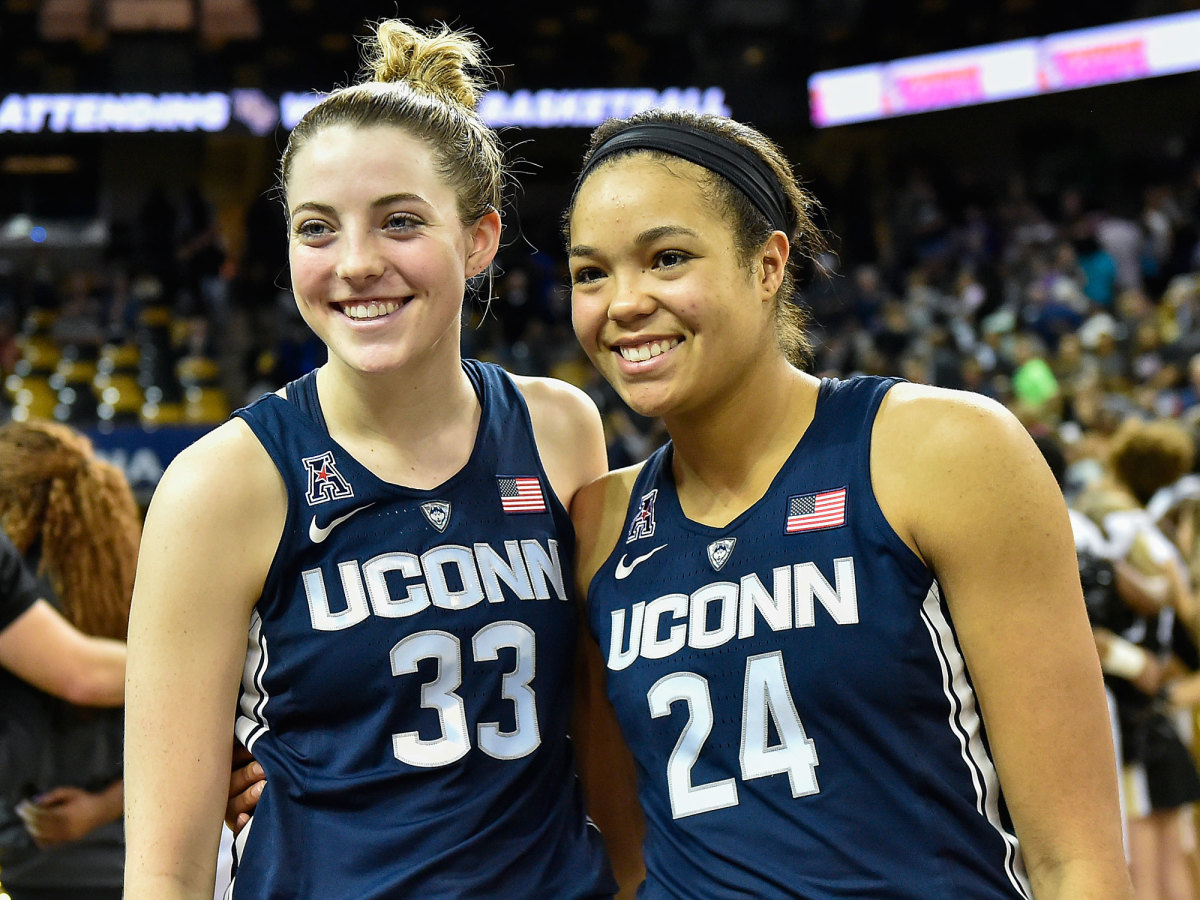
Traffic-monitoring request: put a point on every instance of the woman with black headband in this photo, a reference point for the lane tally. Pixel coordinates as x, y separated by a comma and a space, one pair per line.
841, 621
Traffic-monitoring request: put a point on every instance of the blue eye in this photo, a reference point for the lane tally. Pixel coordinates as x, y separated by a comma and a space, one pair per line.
401, 221
311, 228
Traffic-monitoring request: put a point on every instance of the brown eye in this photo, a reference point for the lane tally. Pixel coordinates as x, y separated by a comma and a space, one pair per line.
586, 275
668, 258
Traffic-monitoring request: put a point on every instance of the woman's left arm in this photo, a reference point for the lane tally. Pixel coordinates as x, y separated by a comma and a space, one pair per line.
965, 486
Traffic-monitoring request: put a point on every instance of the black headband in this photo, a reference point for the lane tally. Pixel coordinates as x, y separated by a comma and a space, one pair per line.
741, 166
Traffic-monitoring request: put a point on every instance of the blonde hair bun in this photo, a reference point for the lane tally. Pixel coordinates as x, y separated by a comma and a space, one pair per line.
439, 62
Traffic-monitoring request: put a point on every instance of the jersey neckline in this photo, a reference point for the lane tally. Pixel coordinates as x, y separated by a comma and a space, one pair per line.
477, 447
665, 480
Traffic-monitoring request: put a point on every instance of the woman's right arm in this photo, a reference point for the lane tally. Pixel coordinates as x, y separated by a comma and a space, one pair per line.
45, 650
211, 532
606, 767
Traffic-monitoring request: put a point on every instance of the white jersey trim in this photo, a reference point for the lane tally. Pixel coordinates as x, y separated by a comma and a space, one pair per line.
967, 725
239, 850
251, 722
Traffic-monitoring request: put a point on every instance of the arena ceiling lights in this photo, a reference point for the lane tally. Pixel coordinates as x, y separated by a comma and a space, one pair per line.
1144, 48
254, 111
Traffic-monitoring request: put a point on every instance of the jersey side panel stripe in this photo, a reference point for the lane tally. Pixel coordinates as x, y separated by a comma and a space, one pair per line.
252, 722
239, 849
966, 723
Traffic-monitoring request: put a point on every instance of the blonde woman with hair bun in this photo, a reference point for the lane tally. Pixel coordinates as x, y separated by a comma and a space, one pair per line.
370, 568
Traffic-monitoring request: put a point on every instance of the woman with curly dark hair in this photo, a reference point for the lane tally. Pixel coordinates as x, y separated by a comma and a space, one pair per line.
70, 520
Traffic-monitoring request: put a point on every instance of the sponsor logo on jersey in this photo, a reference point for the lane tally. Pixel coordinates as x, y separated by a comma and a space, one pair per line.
325, 482
397, 584
437, 513
815, 512
317, 533
642, 524
521, 494
725, 611
623, 568
720, 551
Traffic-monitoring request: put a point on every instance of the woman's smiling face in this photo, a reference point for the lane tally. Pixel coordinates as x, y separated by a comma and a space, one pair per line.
379, 258
660, 301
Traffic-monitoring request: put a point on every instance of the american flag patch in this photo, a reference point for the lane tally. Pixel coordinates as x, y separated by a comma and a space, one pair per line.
521, 494
815, 512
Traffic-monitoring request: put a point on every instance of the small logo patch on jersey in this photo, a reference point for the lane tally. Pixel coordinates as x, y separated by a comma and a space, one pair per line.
816, 512
623, 568
521, 494
720, 551
437, 513
642, 524
325, 482
317, 534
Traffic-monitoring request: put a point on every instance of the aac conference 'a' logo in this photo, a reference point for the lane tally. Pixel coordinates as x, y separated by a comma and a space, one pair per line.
325, 482
642, 524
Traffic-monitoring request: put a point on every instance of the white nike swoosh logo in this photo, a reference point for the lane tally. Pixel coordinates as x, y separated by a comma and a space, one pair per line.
623, 570
317, 534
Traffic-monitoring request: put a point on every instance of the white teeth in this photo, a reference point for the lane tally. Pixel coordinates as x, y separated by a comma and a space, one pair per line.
643, 352
372, 311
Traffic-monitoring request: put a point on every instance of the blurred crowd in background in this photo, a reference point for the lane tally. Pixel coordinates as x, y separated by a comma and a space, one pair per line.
1060, 277
1077, 305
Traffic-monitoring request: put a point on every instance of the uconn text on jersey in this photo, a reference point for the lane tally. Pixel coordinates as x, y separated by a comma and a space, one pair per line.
722, 611
396, 584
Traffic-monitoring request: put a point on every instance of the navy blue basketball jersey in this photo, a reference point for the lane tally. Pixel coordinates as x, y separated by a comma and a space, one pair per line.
793, 691
408, 675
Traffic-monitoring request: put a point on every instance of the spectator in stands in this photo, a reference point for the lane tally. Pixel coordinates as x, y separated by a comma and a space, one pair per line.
1161, 777
1099, 271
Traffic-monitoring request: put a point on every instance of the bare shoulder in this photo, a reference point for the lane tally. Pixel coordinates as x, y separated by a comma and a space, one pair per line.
943, 419
568, 432
946, 462
212, 529
599, 516
226, 478
230, 451
931, 435
552, 399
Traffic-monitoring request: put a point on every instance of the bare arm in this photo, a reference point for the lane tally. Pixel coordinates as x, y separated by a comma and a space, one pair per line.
1127, 660
607, 771
1145, 594
964, 485
204, 555
44, 649
606, 766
